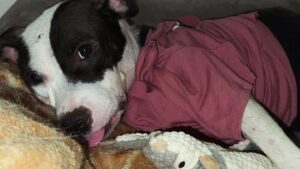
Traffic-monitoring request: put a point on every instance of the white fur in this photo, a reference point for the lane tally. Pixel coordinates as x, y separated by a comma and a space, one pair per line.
131, 52
42, 59
259, 127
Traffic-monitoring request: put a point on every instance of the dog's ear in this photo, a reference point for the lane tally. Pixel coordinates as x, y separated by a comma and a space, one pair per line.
9, 42
124, 8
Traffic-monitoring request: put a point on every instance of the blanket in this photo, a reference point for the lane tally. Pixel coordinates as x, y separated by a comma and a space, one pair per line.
30, 137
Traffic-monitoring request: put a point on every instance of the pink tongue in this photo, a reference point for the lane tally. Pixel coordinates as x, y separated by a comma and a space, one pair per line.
96, 137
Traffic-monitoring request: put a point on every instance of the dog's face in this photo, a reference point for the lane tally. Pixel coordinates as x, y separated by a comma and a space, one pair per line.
71, 55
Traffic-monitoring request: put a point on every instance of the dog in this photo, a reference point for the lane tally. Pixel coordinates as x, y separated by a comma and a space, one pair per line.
79, 56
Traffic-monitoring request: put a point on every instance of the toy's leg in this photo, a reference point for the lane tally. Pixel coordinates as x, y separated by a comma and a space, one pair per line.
242, 145
258, 126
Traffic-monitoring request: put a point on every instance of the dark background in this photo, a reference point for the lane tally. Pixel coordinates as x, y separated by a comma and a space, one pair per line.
152, 11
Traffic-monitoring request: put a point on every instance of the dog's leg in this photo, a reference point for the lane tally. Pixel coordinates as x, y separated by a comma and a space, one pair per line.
258, 126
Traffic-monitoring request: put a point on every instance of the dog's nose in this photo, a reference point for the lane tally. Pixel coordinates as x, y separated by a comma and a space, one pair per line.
77, 123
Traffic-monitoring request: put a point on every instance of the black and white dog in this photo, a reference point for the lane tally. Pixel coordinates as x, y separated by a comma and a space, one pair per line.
79, 56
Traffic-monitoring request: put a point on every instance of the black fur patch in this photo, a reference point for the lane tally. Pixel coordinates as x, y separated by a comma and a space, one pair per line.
77, 23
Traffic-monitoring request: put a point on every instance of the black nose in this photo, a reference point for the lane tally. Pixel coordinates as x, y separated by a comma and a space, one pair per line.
77, 123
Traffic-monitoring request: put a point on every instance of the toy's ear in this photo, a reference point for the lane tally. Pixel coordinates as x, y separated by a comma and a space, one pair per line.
9, 42
124, 8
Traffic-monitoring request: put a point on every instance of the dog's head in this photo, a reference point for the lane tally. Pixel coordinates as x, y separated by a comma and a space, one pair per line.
78, 56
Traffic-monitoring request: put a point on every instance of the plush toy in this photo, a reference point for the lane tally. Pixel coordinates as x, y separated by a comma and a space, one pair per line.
177, 150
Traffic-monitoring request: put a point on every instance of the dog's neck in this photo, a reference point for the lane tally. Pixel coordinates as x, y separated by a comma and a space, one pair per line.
127, 65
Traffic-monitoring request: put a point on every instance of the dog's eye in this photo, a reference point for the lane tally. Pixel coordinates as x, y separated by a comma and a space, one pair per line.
84, 51
35, 77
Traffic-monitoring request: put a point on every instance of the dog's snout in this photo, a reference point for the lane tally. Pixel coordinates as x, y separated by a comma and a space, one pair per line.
77, 122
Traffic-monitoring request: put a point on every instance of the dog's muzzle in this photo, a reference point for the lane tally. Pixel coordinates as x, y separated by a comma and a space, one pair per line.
96, 137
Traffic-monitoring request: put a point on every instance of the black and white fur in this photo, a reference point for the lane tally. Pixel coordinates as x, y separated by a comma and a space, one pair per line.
79, 56
48, 53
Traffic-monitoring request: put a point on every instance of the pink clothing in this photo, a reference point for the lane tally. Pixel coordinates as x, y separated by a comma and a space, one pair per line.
203, 74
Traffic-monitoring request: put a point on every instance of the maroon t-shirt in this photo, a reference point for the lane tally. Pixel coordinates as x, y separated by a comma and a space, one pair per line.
202, 73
